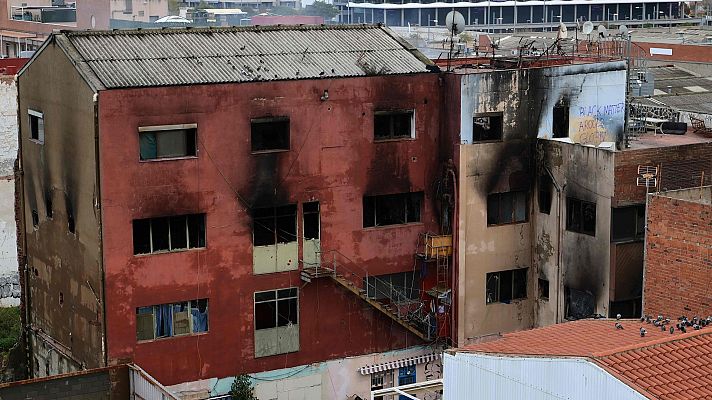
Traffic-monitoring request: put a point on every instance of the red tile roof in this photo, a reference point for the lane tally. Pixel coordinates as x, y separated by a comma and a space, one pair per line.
660, 365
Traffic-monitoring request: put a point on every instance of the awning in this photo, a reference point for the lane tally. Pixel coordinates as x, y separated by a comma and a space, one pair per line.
17, 35
404, 362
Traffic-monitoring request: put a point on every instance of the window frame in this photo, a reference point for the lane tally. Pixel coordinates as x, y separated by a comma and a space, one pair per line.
170, 250
514, 221
40, 133
566, 123
579, 211
488, 115
524, 271
407, 198
162, 128
274, 225
639, 221
265, 120
191, 326
393, 112
276, 300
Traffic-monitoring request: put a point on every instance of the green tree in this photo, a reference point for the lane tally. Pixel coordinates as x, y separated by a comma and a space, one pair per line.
242, 389
9, 329
323, 9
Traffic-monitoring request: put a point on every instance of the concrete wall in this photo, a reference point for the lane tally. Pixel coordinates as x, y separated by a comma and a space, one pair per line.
678, 256
9, 280
333, 160
569, 259
148, 8
63, 269
331, 380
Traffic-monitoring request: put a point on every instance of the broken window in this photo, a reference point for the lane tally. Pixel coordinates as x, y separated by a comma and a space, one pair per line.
398, 285
381, 380
274, 308
71, 226
180, 232
272, 225
580, 216
391, 209
270, 134
36, 120
560, 127
507, 208
173, 319
395, 124
487, 127
35, 218
311, 220
545, 193
505, 286
156, 142
628, 223
543, 289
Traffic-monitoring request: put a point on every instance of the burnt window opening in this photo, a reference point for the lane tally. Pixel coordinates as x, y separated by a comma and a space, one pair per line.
628, 223
560, 127
395, 124
48, 206
275, 308
61, 298
545, 193
578, 304
487, 128
505, 286
157, 143
398, 285
172, 319
507, 208
392, 209
543, 289
269, 134
272, 225
580, 216
35, 218
36, 120
71, 225
175, 233
311, 220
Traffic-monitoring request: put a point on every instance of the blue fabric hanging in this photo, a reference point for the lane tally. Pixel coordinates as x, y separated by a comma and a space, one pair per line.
164, 321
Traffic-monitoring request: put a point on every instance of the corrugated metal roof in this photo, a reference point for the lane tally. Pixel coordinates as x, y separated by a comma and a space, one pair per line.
168, 57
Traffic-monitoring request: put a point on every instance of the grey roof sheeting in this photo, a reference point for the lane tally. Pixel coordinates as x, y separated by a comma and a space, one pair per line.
169, 57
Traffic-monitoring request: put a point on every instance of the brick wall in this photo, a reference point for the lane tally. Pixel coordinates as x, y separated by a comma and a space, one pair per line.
100, 384
680, 167
678, 263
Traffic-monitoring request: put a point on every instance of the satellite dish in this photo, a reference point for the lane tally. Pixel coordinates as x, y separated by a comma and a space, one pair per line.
563, 32
587, 27
601, 31
455, 22
623, 30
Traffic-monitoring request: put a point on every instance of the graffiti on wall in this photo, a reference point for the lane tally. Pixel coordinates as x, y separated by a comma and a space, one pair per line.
592, 124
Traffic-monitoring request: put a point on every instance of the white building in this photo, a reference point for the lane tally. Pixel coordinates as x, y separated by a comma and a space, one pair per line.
9, 283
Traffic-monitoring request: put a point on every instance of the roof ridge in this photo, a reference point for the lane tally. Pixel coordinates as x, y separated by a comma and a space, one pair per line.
652, 343
205, 29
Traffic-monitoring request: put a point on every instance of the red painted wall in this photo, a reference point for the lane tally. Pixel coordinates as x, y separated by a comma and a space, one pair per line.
678, 258
680, 52
333, 160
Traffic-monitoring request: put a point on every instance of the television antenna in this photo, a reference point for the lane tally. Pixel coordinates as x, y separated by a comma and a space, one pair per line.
455, 24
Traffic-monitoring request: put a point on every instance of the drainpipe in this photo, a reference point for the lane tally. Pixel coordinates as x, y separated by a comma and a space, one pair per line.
104, 345
559, 240
455, 226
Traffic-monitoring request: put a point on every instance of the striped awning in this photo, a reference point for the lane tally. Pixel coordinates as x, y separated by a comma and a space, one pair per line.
404, 362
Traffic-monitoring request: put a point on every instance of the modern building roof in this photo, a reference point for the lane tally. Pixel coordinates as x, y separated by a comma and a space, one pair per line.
679, 89
658, 365
184, 56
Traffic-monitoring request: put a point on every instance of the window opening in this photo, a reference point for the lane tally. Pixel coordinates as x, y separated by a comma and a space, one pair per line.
270, 134
505, 286
487, 128
275, 308
35, 218
311, 220
628, 223
561, 121
545, 193
507, 208
272, 225
580, 216
392, 209
155, 143
395, 124
180, 232
543, 289
37, 132
172, 319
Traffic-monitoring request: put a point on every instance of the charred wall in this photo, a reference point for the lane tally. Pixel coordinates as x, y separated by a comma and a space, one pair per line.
332, 159
63, 270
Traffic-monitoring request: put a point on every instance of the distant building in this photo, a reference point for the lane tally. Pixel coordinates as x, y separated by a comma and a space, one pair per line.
587, 359
138, 10
267, 19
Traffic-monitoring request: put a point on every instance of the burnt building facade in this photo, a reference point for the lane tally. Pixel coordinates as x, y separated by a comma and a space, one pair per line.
181, 213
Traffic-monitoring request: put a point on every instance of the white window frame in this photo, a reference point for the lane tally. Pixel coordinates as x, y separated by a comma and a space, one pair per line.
158, 128
40, 134
391, 112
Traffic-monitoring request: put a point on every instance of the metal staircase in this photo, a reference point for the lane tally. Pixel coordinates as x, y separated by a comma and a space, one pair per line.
407, 312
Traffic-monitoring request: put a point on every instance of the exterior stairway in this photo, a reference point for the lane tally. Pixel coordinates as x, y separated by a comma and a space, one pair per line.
398, 308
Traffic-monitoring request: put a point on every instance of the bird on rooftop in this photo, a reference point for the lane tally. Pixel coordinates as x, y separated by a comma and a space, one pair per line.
672, 330
618, 325
643, 332
618, 317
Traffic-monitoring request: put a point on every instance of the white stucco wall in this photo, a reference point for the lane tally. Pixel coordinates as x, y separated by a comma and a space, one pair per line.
9, 284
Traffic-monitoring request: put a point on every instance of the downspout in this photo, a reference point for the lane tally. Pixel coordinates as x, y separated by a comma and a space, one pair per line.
97, 205
455, 227
20, 229
559, 240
